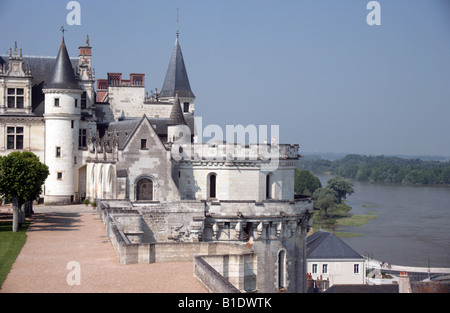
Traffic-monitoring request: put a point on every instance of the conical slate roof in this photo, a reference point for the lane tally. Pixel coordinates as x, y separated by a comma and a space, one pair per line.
63, 76
176, 77
325, 245
176, 115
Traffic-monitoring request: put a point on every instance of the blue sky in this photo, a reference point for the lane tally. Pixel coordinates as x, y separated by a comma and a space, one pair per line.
314, 67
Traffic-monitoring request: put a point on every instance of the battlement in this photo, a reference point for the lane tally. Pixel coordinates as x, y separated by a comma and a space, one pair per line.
235, 152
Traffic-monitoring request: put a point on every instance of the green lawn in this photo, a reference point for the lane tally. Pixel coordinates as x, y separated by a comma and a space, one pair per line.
10, 246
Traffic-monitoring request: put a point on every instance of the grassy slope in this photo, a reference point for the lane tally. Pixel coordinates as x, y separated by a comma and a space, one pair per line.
10, 246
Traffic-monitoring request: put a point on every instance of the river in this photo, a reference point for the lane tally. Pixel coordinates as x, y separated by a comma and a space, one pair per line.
412, 226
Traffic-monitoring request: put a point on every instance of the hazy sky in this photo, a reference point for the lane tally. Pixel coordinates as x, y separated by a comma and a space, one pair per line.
314, 67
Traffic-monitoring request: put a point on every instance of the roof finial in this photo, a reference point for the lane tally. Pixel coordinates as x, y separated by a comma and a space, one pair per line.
63, 30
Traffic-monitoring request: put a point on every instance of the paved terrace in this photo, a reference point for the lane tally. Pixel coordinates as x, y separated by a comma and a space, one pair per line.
59, 235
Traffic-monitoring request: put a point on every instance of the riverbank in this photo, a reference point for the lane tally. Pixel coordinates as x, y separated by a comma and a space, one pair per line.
341, 216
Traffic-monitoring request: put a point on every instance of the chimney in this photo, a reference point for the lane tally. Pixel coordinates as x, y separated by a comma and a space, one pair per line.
404, 285
309, 281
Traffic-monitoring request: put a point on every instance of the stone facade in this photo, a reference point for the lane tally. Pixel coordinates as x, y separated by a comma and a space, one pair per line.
165, 195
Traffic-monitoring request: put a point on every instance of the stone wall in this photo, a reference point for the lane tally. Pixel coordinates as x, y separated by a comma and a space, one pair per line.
211, 279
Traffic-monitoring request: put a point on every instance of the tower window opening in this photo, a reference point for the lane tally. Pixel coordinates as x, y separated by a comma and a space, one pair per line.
186, 107
282, 270
212, 186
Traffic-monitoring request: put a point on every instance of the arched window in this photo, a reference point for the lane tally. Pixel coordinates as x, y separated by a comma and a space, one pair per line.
144, 189
212, 181
282, 269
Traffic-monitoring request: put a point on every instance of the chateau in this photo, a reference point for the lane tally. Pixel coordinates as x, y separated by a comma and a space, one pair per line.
165, 194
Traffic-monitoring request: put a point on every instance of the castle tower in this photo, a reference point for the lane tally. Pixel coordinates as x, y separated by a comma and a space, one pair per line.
177, 129
62, 118
177, 81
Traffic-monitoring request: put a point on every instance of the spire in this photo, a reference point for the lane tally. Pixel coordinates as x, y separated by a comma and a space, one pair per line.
176, 116
176, 77
63, 76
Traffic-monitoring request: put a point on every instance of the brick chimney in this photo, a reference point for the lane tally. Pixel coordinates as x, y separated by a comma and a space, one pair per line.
404, 285
309, 281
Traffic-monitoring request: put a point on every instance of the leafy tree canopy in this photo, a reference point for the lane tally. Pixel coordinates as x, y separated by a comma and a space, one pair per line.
21, 178
382, 169
341, 186
305, 182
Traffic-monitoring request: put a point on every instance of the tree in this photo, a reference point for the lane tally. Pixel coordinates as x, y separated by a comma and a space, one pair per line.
342, 186
305, 182
21, 178
324, 199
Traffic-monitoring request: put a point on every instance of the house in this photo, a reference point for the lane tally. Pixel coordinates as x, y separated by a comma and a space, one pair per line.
330, 261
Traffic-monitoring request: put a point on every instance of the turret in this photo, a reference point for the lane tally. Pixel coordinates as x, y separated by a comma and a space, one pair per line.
177, 128
177, 81
62, 118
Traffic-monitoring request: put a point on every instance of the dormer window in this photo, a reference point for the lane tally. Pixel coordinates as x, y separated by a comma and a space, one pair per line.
15, 98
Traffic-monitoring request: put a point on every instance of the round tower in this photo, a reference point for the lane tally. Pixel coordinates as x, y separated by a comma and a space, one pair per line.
177, 129
62, 118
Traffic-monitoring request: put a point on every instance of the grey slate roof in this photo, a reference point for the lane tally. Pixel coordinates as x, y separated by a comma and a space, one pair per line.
41, 70
126, 128
176, 115
176, 77
325, 245
62, 76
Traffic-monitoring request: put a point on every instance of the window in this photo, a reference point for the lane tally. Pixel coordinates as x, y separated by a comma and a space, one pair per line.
186, 107
268, 189
82, 139
212, 186
15, 98
72, 123
314, 268
14, 138
83, 100
143, 144
325, 268
355, 268
282, 269
59, 175
76, 103
56, 102
58, 152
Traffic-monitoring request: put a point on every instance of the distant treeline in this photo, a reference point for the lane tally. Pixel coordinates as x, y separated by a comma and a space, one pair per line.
381, 169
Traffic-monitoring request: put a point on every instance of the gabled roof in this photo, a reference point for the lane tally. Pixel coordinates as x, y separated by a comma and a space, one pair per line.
325, 245
63, 76
176, 77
